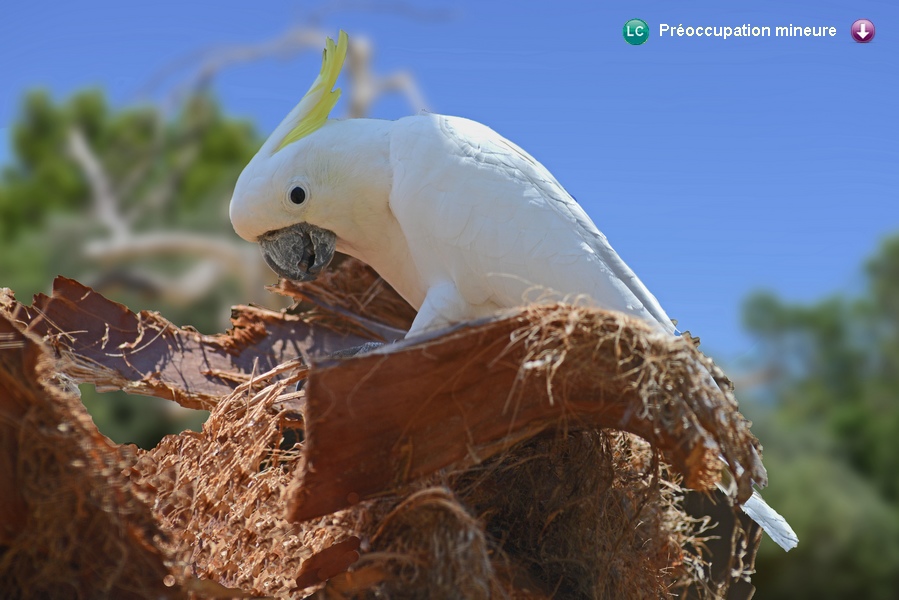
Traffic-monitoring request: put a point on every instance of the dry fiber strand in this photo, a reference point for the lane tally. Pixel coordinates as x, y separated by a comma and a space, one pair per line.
540, 454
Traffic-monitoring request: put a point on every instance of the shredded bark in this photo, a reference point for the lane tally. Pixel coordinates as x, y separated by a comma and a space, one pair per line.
544, 453
112, 347
353, 288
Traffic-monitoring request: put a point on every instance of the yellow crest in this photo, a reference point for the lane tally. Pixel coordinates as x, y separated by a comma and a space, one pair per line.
320, 98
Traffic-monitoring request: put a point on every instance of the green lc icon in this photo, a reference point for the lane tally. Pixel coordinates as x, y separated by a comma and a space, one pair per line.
636, 32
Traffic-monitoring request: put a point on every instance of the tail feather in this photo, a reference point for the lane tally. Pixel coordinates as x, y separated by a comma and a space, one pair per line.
771, 521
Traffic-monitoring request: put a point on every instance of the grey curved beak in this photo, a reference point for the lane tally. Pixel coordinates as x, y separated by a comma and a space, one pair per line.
299, 252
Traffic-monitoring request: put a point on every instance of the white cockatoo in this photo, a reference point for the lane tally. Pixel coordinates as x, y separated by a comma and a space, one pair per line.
459, 220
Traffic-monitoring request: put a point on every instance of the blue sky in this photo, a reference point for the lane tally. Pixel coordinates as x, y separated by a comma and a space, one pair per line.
716, 167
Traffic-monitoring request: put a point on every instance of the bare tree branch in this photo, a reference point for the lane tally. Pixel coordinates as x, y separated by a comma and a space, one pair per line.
161, 194
218, 256
142, 167
105, 205
365, 86
214, 60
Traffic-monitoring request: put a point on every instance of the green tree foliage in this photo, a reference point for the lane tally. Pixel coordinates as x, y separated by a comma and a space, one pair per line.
166, 174
832, 437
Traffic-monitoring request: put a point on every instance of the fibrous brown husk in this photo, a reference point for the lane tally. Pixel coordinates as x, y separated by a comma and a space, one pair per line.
353, 288
589, 484
535, 521
71, 526
490, 461
222, 491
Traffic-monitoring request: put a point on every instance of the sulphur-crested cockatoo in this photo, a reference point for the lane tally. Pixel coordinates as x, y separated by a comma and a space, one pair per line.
459, 220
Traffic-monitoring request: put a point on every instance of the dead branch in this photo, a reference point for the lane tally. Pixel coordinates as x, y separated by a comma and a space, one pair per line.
106, 205
219, 256
364, 85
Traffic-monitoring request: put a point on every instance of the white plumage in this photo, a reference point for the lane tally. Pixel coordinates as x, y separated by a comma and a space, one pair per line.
483, 217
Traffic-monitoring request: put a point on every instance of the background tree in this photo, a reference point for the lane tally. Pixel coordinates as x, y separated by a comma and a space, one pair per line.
91, 187
832, 437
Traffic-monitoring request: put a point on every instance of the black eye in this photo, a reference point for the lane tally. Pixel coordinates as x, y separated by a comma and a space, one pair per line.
298, 195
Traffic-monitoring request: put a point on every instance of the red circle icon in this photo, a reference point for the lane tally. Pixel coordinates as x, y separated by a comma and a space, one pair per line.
862, 31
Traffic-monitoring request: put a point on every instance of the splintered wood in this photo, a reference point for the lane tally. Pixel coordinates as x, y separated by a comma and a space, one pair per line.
536, 454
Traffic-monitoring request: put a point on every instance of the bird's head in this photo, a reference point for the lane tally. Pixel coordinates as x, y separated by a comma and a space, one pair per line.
296, 197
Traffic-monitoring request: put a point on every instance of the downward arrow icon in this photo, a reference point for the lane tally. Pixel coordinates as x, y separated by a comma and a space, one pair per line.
862, 31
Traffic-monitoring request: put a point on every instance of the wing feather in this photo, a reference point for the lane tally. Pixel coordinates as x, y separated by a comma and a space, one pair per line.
496, 156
